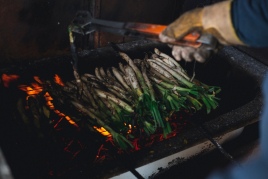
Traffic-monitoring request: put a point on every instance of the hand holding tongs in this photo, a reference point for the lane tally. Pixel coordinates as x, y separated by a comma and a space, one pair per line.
84, 24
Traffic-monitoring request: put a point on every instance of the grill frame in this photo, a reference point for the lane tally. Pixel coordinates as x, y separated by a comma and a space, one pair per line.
243, 115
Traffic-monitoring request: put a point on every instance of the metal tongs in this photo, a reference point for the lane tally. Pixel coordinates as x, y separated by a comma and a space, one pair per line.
84, 24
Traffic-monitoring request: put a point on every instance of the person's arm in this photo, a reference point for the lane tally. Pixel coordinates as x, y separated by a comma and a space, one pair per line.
256, 166
250, 21
231, 22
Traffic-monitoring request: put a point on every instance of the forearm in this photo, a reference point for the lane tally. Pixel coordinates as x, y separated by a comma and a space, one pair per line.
250, 21
237, 22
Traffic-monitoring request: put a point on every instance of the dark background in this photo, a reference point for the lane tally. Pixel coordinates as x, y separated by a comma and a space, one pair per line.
33, 29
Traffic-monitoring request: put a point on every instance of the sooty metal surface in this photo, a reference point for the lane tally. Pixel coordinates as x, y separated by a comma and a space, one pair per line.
239, 76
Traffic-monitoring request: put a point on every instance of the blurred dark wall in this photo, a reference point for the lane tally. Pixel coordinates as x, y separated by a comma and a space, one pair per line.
147, 11
32, 29
35, 28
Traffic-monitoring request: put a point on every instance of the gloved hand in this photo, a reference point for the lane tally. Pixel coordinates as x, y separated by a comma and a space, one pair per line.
214, 19
189, 53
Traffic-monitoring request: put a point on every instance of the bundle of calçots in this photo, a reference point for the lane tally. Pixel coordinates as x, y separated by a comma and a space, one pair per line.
140, 95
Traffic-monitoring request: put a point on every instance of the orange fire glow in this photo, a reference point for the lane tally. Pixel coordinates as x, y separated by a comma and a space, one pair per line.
52, 107
34, 89
103, 131
7, 79
58, 80
129, 128
36, 78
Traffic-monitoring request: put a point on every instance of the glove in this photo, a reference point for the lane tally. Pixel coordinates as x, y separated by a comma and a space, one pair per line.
190, 53
214, 19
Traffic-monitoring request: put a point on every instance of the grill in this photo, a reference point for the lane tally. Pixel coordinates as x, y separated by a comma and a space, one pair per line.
33, 148
37, 146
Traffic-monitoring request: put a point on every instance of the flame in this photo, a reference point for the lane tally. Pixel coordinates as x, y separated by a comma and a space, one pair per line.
70, 120
34, 89
129, 128
36, 78
52, 107
58, 80
103, 131
7, 79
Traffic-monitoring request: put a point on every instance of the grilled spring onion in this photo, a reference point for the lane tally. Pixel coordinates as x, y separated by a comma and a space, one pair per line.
119, 139
147, 95
140, 93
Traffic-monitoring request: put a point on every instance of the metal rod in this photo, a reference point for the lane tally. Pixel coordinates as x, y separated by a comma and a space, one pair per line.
127, 163
195, 121
206, 133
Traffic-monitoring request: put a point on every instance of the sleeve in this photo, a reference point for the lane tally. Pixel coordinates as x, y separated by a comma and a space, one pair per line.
250, 20
256, 166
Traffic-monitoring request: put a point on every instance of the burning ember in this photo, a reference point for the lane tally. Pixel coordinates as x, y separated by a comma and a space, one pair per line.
103, 131
117, 109
33, 89
36, 89
7, 79
58, 80
49, 103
